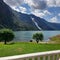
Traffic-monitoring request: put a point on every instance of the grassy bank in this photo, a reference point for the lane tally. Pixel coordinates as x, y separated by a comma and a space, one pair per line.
55, 39
25, 47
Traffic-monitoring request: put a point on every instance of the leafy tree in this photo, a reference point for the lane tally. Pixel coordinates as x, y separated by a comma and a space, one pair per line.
38, 37
6, 35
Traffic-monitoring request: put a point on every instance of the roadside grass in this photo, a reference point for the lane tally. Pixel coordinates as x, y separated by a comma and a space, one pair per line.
19, 48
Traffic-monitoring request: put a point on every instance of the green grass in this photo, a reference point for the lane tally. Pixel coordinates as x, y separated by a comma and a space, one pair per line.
25, 47
55, 38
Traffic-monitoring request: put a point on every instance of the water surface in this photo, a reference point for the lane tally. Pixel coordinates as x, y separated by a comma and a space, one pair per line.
27, 35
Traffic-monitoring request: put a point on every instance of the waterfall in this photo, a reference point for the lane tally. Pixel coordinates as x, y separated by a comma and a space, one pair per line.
36, 24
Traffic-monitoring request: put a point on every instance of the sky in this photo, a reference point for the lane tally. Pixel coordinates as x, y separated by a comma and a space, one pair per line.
47, 9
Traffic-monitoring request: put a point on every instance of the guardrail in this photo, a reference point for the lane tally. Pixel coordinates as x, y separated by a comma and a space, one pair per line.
49, 55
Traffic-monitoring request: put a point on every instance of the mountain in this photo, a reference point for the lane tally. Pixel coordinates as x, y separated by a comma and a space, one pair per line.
44, 25
10, 20
40, 23
18, 21
25, 21
6, 17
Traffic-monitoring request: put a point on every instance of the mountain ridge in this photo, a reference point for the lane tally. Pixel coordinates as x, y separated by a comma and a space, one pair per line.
18, 21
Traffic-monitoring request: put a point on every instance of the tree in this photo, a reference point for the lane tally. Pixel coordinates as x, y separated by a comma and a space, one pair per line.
38, 37
6, 35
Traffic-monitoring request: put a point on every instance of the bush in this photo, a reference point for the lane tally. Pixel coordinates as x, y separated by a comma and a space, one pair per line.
38, 37
6, 35
31, 40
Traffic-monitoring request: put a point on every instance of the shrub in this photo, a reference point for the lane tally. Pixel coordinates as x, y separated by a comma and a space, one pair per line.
38, 37
6, 35
31, 40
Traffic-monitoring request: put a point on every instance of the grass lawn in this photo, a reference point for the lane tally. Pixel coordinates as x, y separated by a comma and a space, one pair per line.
25, 47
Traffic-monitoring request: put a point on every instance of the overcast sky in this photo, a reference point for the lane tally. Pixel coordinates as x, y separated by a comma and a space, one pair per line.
47, 9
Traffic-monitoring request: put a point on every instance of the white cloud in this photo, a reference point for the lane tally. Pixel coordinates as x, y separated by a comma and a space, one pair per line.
20, 9
13, 3
54, 19
42, 4
47, 12
53, 3
23, 9
38, 13
16, 3
29, 2
58, 3
59, 14
36, 4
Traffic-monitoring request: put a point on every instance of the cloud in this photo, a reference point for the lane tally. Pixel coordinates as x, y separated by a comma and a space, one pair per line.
59, 14
20, 9
38, 13
42, 4
54, 19
33, 4
13, 3
36, 4
47, 12
58, 3
53, 3
23, 9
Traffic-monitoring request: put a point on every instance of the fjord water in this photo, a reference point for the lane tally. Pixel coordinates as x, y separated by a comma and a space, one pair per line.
27, 35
